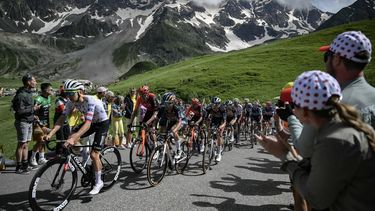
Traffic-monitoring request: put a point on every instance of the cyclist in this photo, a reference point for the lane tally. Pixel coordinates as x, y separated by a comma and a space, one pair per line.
268, 113
149, 102
237, 124
256, 116
63, 133
96, 121
170, 118
231, 114
247, 106
195, 113
217, 118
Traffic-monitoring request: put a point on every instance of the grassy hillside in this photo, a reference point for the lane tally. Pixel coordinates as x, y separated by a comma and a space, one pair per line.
257, 72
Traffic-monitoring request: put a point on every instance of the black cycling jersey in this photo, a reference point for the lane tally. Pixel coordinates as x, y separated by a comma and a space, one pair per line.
217, 116
169, 117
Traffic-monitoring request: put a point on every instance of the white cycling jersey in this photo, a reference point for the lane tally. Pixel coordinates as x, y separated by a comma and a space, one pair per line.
91, 108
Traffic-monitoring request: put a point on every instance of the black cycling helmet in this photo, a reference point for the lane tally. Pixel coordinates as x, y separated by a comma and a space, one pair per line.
168, 97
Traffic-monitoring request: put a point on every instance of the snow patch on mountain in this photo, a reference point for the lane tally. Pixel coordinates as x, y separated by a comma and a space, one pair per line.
49, 26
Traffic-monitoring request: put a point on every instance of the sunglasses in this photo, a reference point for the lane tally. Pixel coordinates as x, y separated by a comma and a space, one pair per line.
70, 94
327, 54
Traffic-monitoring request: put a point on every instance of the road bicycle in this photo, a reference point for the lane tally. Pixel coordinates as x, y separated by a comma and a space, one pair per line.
162, 157
228, 137
246, 129
193, 144
141, 149
211, 148
55, 182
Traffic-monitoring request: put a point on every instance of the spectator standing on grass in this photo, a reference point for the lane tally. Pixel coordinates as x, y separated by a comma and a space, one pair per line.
24, 108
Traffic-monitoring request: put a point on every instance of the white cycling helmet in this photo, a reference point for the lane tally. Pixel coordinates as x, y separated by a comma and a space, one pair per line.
72, 85
216, 100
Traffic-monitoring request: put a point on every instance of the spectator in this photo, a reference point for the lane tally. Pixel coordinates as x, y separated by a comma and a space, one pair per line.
44, 101
117, 124
23, 106
130, 101
342, 171
346, 59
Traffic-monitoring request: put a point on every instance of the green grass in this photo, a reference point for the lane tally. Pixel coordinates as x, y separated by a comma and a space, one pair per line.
259, 73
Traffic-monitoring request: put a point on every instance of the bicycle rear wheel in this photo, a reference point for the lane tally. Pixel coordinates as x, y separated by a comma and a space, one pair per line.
157, 165
183, 161
111, 166
138, 156
52, 186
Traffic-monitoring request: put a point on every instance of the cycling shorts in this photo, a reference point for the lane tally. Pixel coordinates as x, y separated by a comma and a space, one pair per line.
267, 117
100, 129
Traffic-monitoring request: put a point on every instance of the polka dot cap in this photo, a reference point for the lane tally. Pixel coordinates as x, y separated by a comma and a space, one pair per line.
312, 89
352, 45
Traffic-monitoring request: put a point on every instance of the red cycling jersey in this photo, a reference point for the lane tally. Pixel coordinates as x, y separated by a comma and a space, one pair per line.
150, 103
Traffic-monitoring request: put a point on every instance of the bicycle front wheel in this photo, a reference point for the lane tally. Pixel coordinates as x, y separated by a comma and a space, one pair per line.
183, 161
138, 156
207, 155
157, 166
111, 166
52, 186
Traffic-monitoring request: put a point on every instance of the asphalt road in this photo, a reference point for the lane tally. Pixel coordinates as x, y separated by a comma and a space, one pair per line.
245, 179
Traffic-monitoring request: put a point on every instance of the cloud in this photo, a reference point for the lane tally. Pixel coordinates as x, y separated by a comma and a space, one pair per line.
325, 5
332, 5
208, 2
296, 4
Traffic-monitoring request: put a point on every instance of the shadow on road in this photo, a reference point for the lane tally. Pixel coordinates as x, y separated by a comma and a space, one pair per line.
14, 201
194, 167
230, 204
263, 165
233, 183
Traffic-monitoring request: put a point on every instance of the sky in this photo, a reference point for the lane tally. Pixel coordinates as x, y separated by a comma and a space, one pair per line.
325, 5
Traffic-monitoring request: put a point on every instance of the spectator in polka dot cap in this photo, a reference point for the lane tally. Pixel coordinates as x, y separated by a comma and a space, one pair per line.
342, 171
345, 59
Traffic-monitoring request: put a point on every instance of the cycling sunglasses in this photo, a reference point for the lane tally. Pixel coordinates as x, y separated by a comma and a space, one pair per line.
70, 94
327, 54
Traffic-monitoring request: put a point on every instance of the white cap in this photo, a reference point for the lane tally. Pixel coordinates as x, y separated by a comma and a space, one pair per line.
353, 45
313, 89
102, 89
110, 94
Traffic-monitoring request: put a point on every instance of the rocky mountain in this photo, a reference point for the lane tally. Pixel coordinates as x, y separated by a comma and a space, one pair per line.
359, 10
118, 34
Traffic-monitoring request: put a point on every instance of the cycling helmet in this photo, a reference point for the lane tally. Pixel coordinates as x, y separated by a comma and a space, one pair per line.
194, 101
246, 100
216, 100
228, 103
168, 97
236, 100
144, 89
72, 85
